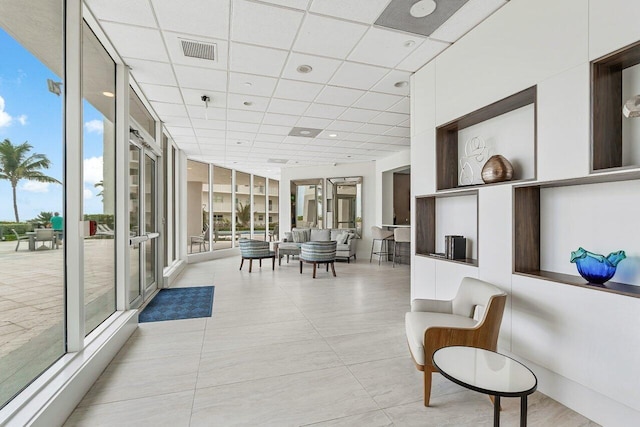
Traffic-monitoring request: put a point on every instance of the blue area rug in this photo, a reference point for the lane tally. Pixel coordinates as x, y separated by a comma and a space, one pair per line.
179, 303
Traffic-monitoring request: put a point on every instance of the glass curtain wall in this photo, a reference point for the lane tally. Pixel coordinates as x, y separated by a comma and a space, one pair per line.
99, 149
32, 283
243, 205
259, 208
222, 207
198, 228
274, 209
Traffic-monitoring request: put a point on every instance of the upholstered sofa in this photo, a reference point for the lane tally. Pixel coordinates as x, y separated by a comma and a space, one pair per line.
345, 249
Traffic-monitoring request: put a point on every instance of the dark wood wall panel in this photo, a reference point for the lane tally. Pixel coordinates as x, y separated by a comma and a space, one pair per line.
526, 229
606, 132
425, 225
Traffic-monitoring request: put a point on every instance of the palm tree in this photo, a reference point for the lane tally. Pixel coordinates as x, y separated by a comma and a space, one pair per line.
243, 213
16, 164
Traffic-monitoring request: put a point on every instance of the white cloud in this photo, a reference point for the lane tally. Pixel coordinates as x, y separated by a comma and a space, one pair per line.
93, 170
94, 126
5, 118
87, 194
36, 187
22, 119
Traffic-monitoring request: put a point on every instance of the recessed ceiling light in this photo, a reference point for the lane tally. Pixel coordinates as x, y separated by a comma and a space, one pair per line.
305, 132
333, 135
248, 84
422, 8
248, 103
108, 94
304, 69
409, 43
349, 156
402, 83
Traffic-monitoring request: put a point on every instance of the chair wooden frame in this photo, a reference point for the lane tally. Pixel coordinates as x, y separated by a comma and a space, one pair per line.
484, 335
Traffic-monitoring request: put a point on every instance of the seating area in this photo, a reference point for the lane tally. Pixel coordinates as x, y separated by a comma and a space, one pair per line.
344, 237
472, 319
256, 249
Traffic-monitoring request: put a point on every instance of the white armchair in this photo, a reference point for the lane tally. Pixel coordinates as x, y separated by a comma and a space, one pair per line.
472, 319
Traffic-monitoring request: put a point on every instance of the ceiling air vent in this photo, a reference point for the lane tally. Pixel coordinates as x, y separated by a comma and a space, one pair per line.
280, 161
195, 49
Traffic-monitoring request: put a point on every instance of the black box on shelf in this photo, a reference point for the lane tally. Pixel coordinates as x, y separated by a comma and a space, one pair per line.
455, 247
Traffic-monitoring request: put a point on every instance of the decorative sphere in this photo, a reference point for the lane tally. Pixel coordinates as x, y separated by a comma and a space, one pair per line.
497, 169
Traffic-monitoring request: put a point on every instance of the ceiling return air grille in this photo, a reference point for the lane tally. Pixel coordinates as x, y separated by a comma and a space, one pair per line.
195, 49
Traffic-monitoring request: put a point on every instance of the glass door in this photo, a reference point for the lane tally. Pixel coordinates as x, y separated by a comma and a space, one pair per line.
143, 221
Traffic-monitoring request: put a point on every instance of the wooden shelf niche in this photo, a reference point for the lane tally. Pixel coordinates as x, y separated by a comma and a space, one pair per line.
506, 127
454, 213
597, 212
615, 139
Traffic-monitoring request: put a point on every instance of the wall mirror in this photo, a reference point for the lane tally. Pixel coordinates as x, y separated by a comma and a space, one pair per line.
344, 203
306, 203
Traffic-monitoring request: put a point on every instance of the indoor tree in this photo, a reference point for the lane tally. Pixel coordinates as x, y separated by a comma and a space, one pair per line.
17, 163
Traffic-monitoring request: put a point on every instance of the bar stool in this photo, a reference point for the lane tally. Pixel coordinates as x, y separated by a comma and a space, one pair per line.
400, 235
383, 236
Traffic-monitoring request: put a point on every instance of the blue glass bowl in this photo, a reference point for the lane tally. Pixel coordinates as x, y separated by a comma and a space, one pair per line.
596, 268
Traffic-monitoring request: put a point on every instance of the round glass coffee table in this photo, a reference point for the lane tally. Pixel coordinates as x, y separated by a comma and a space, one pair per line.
487, 372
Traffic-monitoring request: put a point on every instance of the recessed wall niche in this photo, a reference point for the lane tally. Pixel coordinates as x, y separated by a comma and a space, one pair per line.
506, 127
615, 139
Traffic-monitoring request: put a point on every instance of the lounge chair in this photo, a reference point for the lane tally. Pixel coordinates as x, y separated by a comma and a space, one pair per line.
19, 238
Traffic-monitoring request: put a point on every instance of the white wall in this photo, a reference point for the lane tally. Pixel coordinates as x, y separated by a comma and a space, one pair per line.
583, 344
366, 170
384, 185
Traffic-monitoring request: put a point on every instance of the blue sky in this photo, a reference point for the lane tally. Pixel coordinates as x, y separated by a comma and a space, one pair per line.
29, 112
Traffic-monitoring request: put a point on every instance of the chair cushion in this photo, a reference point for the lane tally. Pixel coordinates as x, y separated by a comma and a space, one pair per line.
318, 251
417, 322
320, 235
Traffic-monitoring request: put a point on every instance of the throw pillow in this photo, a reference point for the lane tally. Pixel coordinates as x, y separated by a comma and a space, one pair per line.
341, 239
299, 236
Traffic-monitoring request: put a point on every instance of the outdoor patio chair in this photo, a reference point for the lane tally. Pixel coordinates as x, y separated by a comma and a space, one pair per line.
45, 235
19, 238
202, 239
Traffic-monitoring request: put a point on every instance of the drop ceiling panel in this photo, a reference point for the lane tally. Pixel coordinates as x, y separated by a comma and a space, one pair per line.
274, 130
165, 109
388, 118
285, 106
347, 144
245, 116
233, 136
360, 137
136, 12
254, 103
210, 133
251, 84
194, 97
201, 78
339, 96
264, 25
270, 137
211, 143
257, 60
169, 94
384, 48
159, 73
174, 45
358, 76
388, 83
313, 122
324, 111
176, 121
208, 18
399, 131
467, 17
328, 37
279, 119
342, 126
323, 68
296, 4
209, 124
403, 106
374, 129
180, 131
376, 101
136, 42
296, 90
196, 112
423, 54
366, 11
243, 127
358, 115
384, 139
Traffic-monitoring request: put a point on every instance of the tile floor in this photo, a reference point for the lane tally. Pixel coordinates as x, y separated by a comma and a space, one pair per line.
283, 349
